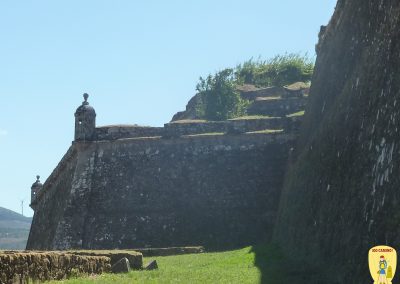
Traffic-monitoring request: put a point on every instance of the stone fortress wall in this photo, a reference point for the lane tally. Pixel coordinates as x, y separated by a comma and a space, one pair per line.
215, 184
181, 128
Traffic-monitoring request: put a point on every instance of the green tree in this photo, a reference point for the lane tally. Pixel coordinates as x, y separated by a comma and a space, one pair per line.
218, 95
220, 98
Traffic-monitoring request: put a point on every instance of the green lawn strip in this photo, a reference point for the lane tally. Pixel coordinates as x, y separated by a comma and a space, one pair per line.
222, 267
205, 134
189, 121
264, 264
250, 117
266, 131
299, 113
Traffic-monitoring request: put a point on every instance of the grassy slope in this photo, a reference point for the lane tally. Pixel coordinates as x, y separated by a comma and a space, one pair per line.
260, 264
223, 267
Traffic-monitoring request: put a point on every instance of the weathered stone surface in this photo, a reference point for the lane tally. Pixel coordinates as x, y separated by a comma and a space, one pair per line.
250, 92
253, 93
135, 257
121, 266
190, 112
140, 192
85, 121
127, 131
298, 89
152, 265
277, 106
179, 128
169, 251
203, 183
20, 267
341, 195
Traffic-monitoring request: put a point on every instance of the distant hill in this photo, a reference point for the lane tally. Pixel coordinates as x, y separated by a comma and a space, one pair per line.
14, 229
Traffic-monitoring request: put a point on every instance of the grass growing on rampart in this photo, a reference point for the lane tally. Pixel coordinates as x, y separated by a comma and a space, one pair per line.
236, 266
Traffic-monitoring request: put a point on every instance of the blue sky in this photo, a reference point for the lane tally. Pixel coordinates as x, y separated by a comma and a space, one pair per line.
138, 60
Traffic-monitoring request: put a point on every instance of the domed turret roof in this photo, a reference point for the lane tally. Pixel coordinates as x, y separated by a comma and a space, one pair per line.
85, 107
37, 183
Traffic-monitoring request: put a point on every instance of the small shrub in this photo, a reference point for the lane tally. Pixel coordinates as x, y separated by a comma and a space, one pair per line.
220, 99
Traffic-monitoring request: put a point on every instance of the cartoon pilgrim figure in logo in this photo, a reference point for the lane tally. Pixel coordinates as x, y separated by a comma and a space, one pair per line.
382, 270
382, 264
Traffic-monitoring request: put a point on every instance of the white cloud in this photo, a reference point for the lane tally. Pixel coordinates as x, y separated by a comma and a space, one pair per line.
3, 132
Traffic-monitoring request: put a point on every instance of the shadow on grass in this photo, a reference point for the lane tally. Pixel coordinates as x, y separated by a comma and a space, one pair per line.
277, 268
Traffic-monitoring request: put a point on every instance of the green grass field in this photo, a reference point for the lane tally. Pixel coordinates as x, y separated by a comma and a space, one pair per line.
236, 266
260, 264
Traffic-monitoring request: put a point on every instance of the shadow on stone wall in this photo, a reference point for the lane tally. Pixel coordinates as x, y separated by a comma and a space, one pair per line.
278, 268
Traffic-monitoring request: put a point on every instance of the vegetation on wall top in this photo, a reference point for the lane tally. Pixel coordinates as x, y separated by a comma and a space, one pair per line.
219, 97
